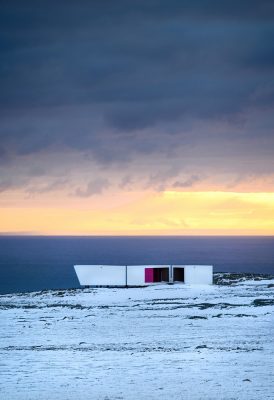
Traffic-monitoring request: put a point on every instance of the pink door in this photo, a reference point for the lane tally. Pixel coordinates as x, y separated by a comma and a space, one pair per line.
149, 277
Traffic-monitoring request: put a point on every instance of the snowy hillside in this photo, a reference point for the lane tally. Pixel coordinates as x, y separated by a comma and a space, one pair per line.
161, 342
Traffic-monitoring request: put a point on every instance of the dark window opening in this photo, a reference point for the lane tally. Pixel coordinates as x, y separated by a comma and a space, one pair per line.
178, 274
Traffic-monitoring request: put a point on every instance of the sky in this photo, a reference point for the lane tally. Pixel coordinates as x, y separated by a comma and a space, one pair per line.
137, 117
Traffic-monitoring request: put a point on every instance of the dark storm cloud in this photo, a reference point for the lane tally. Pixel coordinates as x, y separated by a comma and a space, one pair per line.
48, 187
122, 79
188, 183
94, 187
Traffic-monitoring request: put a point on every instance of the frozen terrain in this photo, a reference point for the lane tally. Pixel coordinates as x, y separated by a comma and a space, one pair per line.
161, 342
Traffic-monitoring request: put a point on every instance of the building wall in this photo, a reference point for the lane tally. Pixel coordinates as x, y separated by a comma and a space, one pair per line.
101, 275
197, 274
136, 275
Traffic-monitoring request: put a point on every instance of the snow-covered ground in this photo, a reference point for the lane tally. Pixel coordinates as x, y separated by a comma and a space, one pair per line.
161, 342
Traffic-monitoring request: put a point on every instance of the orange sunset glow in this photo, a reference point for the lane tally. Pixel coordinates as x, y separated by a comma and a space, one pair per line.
167, 213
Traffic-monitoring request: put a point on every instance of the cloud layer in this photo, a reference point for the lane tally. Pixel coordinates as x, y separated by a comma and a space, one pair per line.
140, 94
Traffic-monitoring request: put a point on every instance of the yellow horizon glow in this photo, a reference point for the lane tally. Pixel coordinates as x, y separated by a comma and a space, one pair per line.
167, 213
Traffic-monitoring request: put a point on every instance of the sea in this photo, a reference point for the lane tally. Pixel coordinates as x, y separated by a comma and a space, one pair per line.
34, 263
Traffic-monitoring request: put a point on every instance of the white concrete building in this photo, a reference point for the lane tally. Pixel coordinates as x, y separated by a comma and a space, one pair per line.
143, 275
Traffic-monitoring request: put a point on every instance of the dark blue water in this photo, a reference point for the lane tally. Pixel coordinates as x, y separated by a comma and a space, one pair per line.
36, 263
